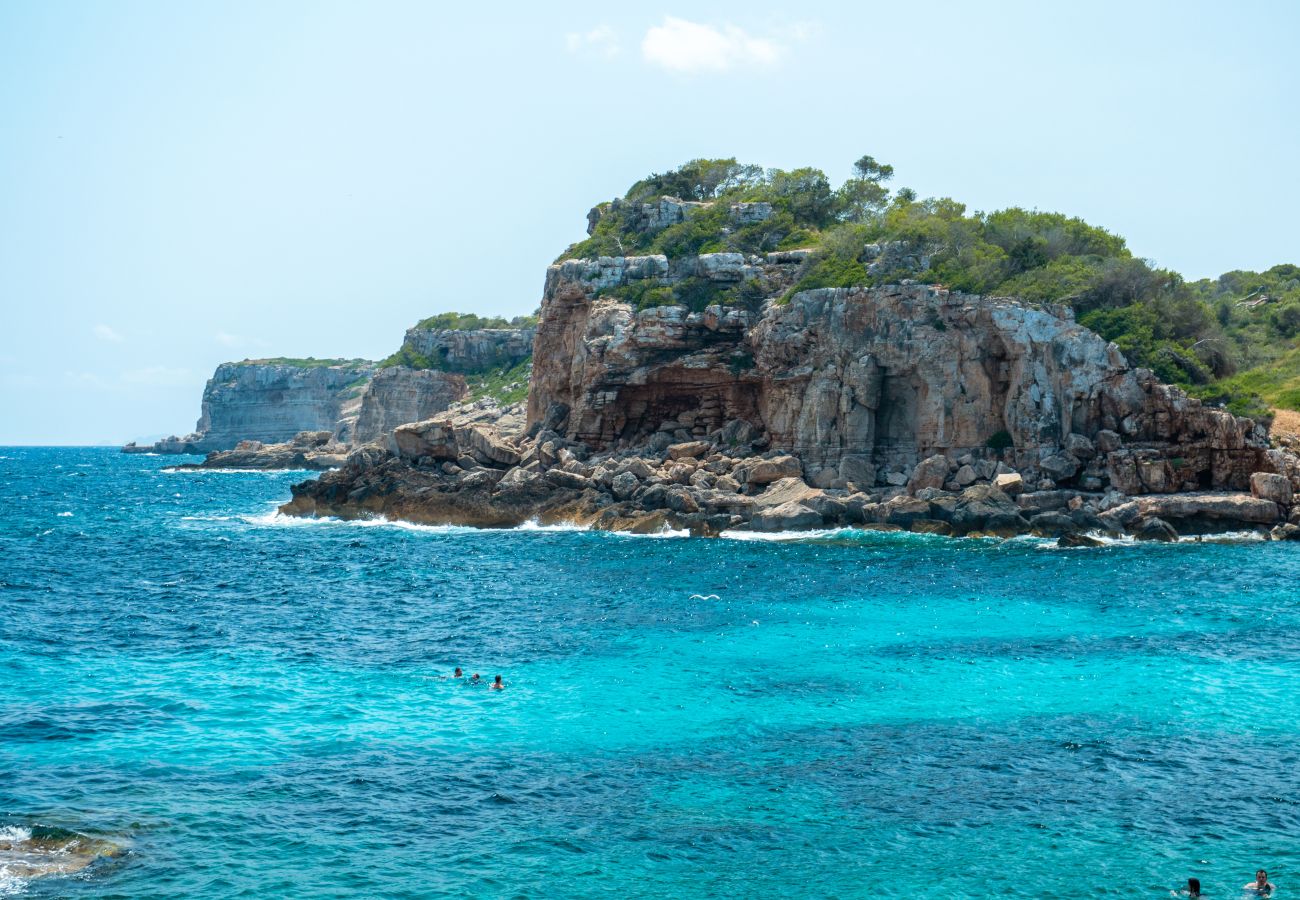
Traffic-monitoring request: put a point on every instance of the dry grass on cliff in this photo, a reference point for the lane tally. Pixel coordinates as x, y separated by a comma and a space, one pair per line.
1286, 423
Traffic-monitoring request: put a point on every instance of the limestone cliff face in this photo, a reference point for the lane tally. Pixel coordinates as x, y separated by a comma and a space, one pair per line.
863, 383
470, 351
397, 395
271, 402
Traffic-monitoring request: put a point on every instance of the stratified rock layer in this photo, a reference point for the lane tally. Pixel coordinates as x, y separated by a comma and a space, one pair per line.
898, 407
861, 380
397, 395
270, 402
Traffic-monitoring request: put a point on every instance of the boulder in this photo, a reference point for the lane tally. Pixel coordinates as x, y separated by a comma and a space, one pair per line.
689, 450
769, 470
485, 445
931, 472
965, 476
1078, 446
792, 516
1052, 524
1155, 529
1078, 539
903, 511
1201, 510
1060, 466
1267, 486
1285, 532
1010, 483
427, 438
623, 485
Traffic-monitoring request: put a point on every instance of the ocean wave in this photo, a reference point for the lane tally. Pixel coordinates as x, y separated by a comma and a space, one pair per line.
277, 519
816, 534
534, 525
177, 470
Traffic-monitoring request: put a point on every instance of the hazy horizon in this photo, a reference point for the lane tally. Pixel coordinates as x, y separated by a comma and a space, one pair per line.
189, 185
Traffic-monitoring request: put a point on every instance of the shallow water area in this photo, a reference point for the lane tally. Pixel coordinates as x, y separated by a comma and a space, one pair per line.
262, 706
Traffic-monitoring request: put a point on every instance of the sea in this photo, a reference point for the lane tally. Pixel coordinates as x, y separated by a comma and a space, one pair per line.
247, 705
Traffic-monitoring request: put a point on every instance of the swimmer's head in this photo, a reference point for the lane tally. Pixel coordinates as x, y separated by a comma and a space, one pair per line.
459, 673
497, 680
1194, 887
1261, 876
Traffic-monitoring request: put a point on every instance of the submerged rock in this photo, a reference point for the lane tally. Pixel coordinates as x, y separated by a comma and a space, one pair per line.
40, 851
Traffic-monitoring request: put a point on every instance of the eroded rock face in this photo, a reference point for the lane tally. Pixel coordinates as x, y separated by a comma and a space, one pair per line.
397, 395
878, 378
474, 350
270, 402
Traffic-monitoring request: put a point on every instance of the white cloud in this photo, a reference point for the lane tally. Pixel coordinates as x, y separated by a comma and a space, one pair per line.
106, 333
601, 42
679, 45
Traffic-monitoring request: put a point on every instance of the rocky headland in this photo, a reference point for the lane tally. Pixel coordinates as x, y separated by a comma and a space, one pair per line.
278, 414
270, 401
902, 406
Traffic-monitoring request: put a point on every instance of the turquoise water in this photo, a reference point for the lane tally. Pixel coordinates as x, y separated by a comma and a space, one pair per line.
254, 706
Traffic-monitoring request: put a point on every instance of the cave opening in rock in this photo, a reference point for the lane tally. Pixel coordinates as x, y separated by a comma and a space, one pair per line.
896, 421
698, 401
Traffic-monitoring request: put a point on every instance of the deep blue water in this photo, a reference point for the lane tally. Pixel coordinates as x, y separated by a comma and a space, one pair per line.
253, 707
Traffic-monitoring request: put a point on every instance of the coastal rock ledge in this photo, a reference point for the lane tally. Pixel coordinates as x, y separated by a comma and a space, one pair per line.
899, 407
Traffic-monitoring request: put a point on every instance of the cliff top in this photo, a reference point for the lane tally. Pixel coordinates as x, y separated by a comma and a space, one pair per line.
457, 321
309, 362
1230, 340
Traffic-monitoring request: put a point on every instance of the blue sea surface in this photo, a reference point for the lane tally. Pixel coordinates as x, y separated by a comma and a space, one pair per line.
256, 706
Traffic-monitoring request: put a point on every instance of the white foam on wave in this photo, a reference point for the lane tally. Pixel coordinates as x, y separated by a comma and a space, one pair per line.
10, 883
277, 519
176, 470
736, 534
534, 525
63, 515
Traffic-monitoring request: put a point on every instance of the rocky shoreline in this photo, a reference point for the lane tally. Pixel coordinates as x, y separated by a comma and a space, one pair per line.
903, 406
477, 465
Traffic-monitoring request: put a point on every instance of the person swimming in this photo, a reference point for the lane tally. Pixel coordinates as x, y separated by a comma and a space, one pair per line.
1261, 885
458, 673
1193, 888
474, 679
498, 684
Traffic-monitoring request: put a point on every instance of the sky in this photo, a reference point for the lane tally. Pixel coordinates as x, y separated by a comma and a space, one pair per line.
187, 183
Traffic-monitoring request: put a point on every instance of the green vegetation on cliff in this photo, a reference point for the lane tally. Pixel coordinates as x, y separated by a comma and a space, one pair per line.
456, 321
505, 384
308, 362
1230, 340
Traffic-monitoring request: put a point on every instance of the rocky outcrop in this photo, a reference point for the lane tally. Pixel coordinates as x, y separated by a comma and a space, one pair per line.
307, 450
469, 351
870, 381
898, 407
271, 402
397, 395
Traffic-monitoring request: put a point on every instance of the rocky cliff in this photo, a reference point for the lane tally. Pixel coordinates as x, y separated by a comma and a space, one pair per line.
271, 401
469, 351
901, 406
861, 384
268, 402
398, 394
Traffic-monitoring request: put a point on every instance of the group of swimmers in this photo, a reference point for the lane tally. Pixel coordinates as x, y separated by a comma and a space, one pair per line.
1261, 886
496, 685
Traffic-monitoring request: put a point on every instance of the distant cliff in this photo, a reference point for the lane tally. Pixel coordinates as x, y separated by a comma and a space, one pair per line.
271, 401
443, 360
